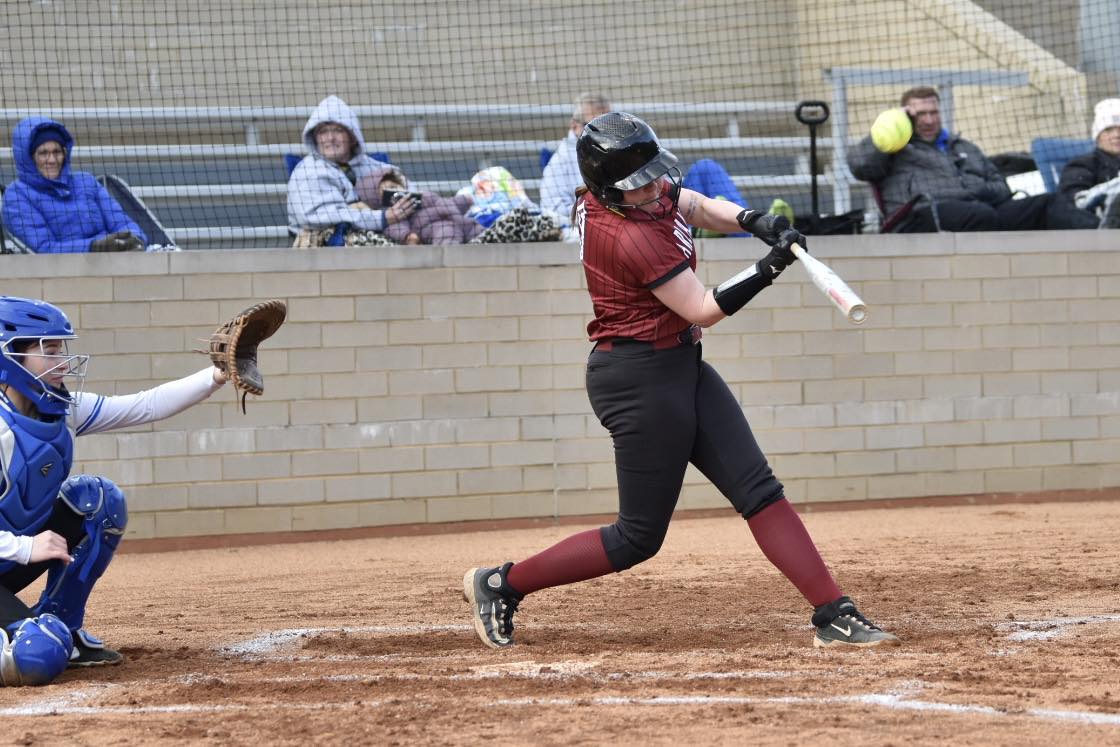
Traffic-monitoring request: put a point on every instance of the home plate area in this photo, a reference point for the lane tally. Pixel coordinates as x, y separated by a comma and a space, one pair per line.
439, 675
1010, 628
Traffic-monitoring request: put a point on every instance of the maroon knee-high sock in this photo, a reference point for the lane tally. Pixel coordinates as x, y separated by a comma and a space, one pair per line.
577, 558
786, 543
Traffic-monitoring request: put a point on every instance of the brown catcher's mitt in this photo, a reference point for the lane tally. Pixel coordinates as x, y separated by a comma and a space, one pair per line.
233, 346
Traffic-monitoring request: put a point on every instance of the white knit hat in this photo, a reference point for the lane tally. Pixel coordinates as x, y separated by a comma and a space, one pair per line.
1106, 114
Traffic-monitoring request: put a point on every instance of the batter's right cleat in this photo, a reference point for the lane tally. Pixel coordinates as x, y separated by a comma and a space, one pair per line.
493, 603
90, 651
840, 624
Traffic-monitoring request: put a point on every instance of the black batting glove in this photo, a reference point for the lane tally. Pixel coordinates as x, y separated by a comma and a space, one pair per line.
765, 226
781, 255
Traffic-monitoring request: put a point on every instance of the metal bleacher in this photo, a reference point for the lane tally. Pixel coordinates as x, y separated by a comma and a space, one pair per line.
229, 194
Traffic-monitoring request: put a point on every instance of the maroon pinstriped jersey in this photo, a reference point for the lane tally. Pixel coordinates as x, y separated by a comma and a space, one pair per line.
624, 259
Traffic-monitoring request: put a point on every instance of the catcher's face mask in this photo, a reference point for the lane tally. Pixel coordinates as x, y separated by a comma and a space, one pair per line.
50, 373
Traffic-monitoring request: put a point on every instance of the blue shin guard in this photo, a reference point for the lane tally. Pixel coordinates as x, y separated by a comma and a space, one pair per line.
68, 586
34, 651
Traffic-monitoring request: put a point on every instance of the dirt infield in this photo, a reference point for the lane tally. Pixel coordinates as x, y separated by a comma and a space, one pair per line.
1010, 617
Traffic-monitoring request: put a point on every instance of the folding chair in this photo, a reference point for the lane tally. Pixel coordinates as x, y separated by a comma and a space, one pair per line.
888, 223
9, 244
135, 208
1051, 154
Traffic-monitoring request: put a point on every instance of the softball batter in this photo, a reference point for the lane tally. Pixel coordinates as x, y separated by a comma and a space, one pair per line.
663, 405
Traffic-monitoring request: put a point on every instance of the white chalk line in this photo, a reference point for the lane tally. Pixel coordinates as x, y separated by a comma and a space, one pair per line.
276, 645
899, 699
895, 701
1044, 630
280, 638
69, 704
57, 708
531, 671
271, 645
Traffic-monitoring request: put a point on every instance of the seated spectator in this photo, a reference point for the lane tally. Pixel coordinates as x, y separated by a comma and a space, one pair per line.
961, 189
561, 175
1092, 181
438, 220
54, 210
322, 191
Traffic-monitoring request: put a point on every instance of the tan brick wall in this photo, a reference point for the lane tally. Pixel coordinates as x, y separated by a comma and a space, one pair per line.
441, 385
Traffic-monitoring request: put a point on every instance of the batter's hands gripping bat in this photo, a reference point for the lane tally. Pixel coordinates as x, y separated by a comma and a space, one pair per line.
830, 284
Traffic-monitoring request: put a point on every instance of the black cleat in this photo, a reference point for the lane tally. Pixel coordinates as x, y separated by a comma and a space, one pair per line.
493, 603
90, 651
840, 624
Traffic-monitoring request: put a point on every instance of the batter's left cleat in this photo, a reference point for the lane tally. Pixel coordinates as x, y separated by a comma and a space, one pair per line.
90, 651
492, 603
840, 624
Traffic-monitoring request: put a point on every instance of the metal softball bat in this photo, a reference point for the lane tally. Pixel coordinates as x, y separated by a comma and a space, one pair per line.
832, 286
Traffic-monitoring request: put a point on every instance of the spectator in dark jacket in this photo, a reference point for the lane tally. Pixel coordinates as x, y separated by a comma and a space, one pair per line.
962, 190
1092, 180
54, 210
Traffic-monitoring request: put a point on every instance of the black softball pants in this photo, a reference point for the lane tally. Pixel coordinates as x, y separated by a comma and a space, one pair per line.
664, 409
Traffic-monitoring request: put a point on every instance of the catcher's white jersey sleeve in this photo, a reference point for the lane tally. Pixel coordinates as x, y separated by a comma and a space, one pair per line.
15, 547
94, 413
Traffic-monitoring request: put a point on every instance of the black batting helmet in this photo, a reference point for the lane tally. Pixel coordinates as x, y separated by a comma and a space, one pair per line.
616, 152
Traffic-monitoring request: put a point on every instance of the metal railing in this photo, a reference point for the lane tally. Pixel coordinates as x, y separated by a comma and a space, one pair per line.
418, 147
418, 116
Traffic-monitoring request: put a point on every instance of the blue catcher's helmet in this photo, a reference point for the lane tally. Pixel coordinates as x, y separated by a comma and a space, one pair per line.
34, 651
26, 321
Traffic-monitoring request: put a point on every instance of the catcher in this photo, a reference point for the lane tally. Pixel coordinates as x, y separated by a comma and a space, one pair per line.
70, 526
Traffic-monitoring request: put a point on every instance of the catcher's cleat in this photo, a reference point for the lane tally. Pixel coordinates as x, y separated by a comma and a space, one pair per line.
493, 603
90, 651
840, 624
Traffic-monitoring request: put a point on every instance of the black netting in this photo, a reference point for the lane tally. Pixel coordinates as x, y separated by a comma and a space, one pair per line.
199, 109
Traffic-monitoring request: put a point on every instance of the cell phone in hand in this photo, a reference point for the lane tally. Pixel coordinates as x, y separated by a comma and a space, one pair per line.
391, 198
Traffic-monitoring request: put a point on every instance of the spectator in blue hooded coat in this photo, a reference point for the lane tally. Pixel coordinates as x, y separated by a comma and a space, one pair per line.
54, 210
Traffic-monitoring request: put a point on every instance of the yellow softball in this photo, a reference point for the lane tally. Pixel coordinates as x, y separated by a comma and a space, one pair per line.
892, 130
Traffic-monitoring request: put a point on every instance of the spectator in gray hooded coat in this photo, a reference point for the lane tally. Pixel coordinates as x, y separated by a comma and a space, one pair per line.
321, 189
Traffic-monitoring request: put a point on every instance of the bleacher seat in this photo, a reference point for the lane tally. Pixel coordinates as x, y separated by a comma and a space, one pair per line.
291, 160
1052, 154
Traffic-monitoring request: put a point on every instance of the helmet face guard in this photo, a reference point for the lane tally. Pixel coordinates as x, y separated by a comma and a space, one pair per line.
36, 329
658, 207
70, 366
618, 152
